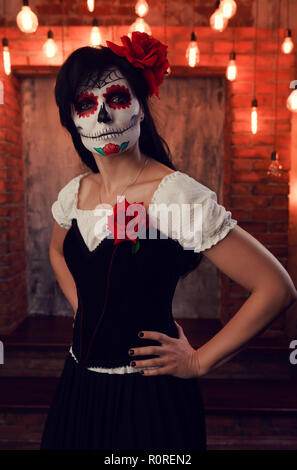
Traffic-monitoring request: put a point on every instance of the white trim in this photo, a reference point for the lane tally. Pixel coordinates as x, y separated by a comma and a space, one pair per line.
113, 370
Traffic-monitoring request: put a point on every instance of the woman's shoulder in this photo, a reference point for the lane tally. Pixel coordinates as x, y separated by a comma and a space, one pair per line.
178, 186
64, 206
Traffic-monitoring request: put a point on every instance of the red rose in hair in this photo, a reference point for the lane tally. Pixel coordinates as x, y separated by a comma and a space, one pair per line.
117, 223
147, 53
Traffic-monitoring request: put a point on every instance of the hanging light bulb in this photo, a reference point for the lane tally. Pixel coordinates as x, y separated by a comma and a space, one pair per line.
50, 47
168, 72
141, 26
292, 99
1, 93
91, 5
275, 168
6, 56
193, 53
228, 8
26, 20
217, 20
254, 116
141, 8
231, 72
95, 38
287, 45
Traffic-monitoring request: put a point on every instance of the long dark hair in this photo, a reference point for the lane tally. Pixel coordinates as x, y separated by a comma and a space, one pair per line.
88, 63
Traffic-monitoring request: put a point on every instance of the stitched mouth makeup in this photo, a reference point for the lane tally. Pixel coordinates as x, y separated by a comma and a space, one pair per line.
109, 135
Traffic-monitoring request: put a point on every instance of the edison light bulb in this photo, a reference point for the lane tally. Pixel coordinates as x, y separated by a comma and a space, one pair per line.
96, 38
292, 101
254, 117
50, 46
193, 53
275, 167
6, 56
26, 20
141, 26
91, 5
228, 8
141, 8
288, 45
231, 72
218, 21
168, 72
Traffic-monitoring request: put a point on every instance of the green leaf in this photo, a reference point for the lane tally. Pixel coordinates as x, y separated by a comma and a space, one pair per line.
136, 246
99, 150
124, 145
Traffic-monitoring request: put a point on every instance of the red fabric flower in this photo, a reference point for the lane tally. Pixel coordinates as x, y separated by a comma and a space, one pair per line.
118, 221
147, 53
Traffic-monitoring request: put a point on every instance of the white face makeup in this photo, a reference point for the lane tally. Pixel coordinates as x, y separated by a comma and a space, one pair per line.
107, 115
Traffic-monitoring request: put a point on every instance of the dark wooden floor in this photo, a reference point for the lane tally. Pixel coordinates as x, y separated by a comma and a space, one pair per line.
250, 403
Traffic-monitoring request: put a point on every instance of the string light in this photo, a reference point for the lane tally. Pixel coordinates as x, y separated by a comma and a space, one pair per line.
6, 56
292, 99
141, 26
168, 71
254, 116
287, 45
228, 8
91, 5
231, 72
218, 21
254, 111
95, 37
275, 168
193, 53
50, 47
26, 19
141, 8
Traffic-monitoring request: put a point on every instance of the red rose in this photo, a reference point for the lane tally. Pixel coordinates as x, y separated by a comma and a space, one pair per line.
117, 223
111, 148
147, 53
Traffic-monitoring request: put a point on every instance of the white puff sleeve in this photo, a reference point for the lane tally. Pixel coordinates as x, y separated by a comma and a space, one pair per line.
62, 208
197, 221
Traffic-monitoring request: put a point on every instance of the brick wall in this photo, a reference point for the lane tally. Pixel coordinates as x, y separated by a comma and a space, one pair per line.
260, 206
13, 295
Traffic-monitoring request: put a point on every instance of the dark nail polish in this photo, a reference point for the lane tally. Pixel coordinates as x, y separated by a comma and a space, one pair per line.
131, 352
142, 372
133, 364
140, 334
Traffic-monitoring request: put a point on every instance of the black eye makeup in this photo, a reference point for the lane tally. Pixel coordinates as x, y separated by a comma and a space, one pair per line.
86, 104
118, 97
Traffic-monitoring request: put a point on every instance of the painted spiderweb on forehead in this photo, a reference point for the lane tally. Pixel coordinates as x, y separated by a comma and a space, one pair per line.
107, 77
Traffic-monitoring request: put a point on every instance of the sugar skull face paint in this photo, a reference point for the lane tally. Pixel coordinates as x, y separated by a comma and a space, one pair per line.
107, 114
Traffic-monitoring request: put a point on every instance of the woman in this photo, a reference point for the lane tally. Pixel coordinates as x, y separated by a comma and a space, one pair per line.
121, 287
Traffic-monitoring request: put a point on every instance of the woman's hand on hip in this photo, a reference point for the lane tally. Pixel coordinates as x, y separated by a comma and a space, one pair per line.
175, 355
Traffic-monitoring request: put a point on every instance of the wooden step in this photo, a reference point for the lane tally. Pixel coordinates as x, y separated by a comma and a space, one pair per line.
39, 346
240, 414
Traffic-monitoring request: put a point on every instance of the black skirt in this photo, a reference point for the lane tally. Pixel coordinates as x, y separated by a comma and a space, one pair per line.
95, 410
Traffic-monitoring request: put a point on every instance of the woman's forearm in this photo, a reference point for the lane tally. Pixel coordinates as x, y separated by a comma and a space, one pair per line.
258, 311
64, 278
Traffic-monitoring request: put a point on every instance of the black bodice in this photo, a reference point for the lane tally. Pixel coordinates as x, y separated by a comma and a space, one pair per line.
121, 293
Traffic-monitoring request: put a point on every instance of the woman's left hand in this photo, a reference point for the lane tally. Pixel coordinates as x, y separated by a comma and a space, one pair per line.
176, 355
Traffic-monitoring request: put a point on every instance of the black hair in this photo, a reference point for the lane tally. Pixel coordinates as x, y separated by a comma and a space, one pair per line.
88, 63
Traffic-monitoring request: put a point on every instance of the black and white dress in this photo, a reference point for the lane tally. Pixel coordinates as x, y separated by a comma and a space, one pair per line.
101, 402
